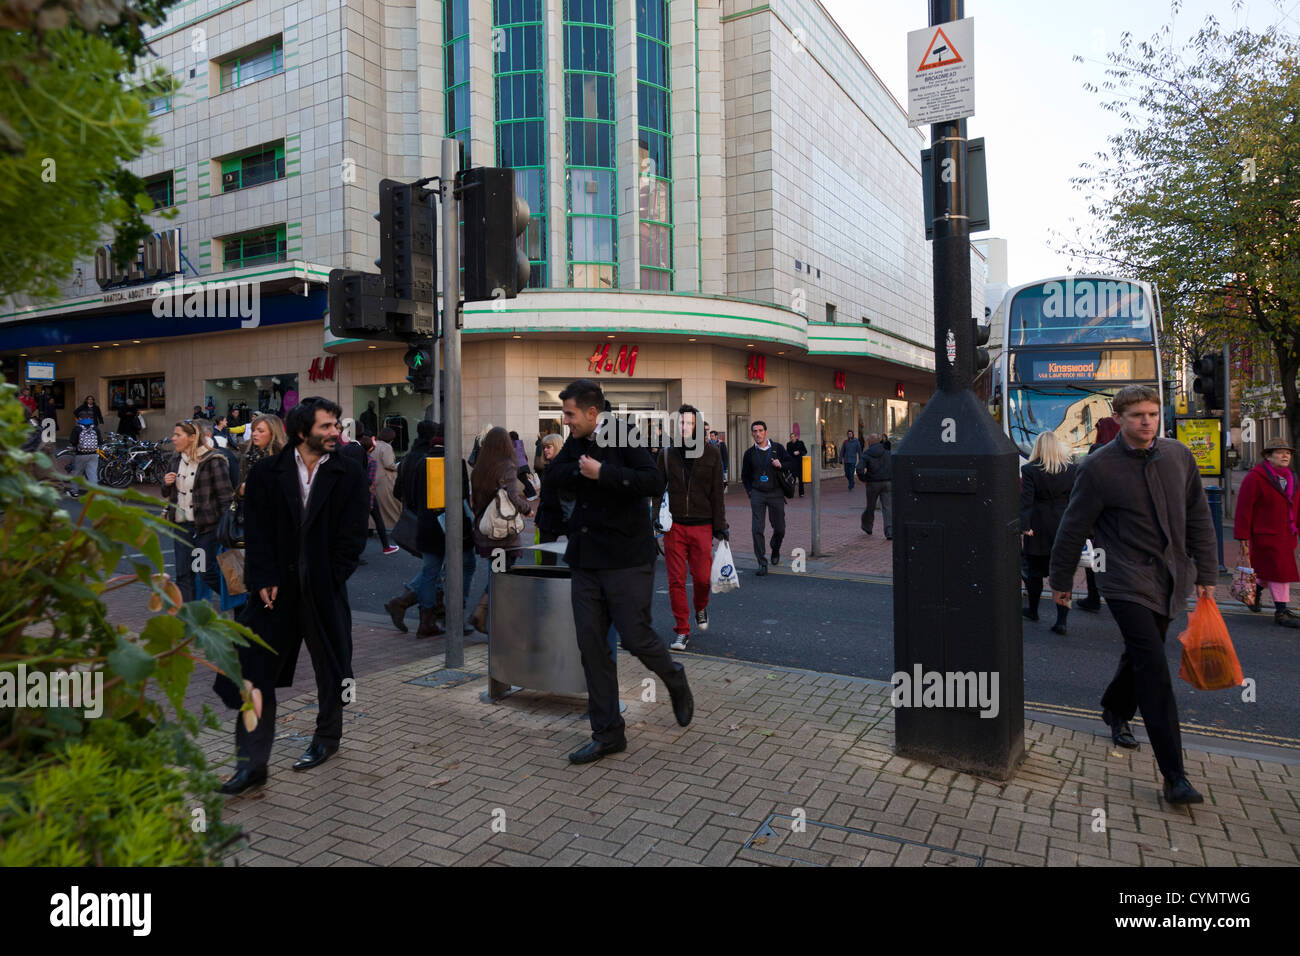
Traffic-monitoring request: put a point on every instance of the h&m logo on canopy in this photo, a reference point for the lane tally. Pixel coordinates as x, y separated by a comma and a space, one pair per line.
601, 361
756, 371
840, 381
321, 372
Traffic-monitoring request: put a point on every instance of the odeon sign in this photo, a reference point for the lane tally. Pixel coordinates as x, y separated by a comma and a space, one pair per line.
158, 258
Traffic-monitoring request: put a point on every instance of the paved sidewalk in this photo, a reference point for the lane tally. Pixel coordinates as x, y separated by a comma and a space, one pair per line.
432, 775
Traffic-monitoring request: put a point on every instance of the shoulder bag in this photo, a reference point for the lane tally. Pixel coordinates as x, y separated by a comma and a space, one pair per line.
501, 519
230, 529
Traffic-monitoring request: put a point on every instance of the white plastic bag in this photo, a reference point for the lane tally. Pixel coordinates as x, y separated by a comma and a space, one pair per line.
665, 522
723, 577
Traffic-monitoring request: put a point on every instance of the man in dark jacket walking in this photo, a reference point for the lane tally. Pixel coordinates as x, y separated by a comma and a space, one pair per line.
693, 471
877, 474
850, 451
305, 515
1141, 499
760, 473
612, 553
797, 450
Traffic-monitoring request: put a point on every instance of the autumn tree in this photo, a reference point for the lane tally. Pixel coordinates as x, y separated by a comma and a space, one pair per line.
1200, 192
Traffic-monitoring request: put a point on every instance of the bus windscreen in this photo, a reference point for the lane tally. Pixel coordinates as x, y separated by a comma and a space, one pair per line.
1080, 312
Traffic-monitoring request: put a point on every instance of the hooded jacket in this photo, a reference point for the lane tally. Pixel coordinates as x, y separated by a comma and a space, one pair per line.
877, 464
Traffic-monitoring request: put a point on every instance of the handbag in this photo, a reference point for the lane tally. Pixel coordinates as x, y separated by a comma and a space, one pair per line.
501, 519
789, 483
230, 529
406, 533
231, 562
1244, 581
664, 519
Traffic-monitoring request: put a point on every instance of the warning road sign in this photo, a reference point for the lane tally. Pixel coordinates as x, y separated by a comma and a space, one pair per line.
941, 61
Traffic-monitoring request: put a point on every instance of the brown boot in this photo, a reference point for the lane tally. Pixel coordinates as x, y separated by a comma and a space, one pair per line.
479, 621
396, 608
429, 626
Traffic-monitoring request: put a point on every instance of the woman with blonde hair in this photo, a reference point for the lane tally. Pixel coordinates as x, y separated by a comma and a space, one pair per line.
268, 438
198, 487
1046, 481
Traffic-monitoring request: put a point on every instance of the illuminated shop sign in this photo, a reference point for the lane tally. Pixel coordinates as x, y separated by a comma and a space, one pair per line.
159, 256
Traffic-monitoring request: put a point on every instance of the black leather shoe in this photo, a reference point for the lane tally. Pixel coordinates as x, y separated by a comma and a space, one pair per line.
683, 703
315, 755
595, 750
244, 780
762, 570
776, 558
1181, 791
1084, 604
1120, 732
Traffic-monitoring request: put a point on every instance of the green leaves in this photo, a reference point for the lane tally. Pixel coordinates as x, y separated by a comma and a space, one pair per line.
130, 661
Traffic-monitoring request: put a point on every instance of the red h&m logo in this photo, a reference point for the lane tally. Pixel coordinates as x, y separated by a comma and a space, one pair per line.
839, 381
319, 372
756, 371
601, 361
898, 389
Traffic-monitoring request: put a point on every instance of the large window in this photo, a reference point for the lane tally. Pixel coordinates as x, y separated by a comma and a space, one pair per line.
260, 165
1080, 312
520, 90
455, 51
591, 182
654, 96
252, 65
254, 248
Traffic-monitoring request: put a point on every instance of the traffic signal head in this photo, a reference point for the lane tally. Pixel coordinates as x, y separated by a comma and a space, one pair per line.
979, 339
1210, 383
408, 244
496, 267
354, 308
420, 362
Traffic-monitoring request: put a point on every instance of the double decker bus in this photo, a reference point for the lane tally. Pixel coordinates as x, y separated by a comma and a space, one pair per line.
1064, 347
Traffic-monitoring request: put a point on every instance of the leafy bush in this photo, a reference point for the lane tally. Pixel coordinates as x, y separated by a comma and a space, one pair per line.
124, 788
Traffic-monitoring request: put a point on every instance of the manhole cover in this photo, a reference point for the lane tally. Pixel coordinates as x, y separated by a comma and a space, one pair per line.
827, 844
445, 679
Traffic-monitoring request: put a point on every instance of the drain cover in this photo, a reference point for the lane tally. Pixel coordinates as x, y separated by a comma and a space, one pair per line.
445, 679
827, 844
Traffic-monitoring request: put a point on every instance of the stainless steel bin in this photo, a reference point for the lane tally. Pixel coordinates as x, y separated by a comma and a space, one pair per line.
533, 641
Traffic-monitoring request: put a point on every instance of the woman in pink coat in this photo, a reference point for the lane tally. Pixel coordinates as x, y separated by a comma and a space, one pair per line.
1265, 526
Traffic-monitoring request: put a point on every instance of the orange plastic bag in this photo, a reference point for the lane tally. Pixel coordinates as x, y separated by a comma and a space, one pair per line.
1209, 660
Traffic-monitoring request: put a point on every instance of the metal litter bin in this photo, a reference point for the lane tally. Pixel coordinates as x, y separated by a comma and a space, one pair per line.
532, 642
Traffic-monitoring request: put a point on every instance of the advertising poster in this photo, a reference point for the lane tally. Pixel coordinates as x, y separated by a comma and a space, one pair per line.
1201, 435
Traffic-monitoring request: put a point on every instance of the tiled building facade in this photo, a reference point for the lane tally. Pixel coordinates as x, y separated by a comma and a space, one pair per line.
712, 183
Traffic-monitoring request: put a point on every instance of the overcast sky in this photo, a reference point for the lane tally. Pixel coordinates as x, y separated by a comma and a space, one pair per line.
1038, 121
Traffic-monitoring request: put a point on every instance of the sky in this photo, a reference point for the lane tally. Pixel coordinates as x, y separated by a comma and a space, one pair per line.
1038, 121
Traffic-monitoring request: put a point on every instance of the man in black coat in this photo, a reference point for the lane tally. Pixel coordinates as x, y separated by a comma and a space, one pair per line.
760, 473
797, 449
305, 513
612, 553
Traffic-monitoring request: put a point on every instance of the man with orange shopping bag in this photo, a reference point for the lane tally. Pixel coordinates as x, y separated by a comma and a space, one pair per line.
1140, 499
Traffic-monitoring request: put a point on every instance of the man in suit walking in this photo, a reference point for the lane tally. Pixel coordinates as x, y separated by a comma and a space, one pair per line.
612, 553
305, 515
760, 473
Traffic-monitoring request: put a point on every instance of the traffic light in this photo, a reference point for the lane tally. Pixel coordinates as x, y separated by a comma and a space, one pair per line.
354, 307
496, 267
1209, 382
420, 362
408, 243
980, 338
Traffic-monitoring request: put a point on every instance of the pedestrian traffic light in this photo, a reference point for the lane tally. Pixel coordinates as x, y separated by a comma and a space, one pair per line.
408, 243
495, 216
420, 362
1209, 383
980, 338
354, 307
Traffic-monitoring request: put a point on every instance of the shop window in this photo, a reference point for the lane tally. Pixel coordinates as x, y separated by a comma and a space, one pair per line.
251, 394
254, 248
263, 164
249, 66
830, 313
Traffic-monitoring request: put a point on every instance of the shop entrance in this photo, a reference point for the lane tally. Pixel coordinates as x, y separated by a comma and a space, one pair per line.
645, 405
738, 436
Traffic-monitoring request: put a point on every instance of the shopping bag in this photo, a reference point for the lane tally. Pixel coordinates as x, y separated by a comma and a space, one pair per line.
665, 522
1243, 585
723, 577
1209, 661
231, 562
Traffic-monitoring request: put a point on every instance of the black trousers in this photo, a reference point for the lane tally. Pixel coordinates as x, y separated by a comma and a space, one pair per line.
379, 523
253, 747
878, 491
621, 595
1142, 682
762, 504
798, 473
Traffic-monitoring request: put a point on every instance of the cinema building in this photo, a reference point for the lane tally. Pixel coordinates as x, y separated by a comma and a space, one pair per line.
726, 204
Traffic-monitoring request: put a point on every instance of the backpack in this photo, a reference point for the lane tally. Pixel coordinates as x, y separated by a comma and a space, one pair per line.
87, 441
